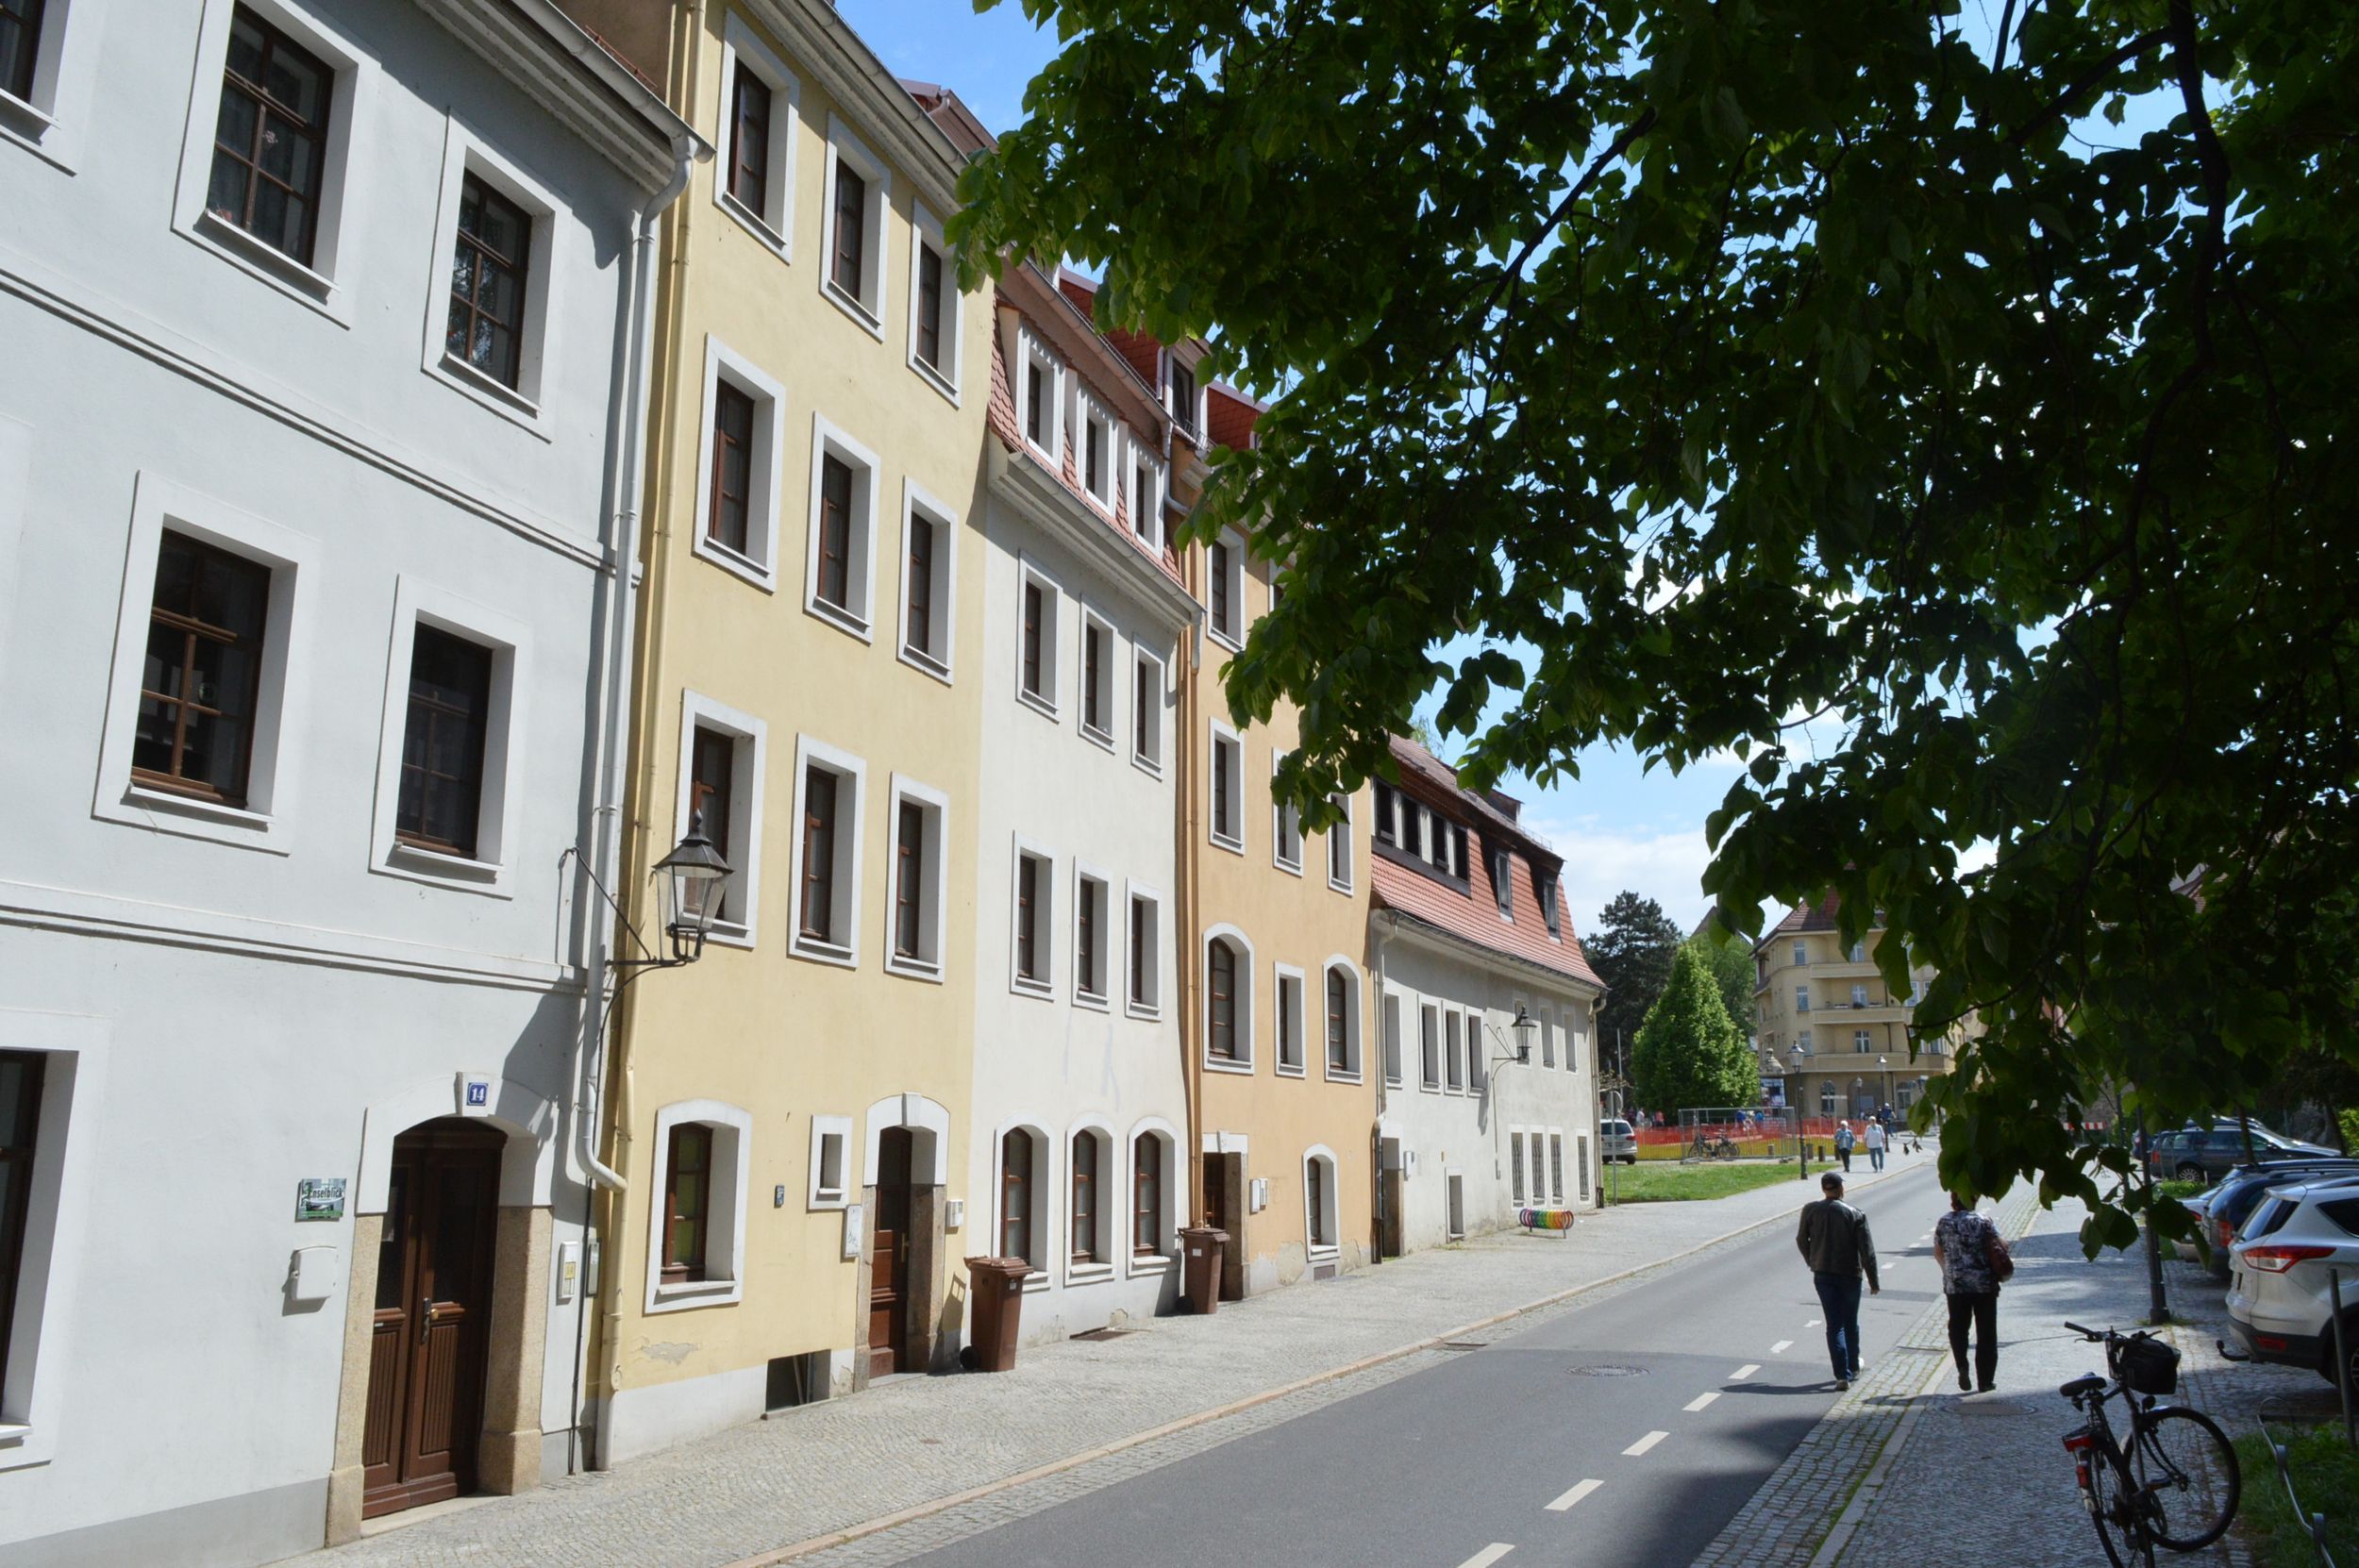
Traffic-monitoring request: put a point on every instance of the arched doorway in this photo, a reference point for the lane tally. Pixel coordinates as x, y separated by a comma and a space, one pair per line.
430, 1334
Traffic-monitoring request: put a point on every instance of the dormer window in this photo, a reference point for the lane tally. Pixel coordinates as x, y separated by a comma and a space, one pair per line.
1180, 383
1502, 889
1544, 887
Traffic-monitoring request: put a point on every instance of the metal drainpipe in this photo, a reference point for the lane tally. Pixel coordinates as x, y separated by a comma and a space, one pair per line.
1376, 1138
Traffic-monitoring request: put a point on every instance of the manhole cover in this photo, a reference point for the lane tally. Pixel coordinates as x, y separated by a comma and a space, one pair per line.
1607, 1371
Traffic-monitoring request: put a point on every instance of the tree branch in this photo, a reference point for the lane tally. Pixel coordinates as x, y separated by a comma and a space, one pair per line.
1513, 275
2105, 68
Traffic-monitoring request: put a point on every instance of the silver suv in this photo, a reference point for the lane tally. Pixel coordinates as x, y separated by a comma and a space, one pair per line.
2279, 1303
1617, 1142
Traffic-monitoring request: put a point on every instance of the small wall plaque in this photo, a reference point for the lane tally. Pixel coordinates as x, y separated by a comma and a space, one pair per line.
320, 1198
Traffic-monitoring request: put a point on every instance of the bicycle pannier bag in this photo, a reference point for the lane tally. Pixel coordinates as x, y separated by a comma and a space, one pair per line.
2147, 1365
1995, 1251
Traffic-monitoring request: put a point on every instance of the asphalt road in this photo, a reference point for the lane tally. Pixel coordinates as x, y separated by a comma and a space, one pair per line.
1626, 1432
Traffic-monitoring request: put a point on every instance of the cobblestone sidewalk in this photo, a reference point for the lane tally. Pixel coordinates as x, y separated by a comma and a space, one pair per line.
1794, 1517
1070, 1418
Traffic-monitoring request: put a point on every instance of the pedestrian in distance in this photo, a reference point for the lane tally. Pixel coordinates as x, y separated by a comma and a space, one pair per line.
1835, 1241
1973, 1262
1875, 1145
1843, 1143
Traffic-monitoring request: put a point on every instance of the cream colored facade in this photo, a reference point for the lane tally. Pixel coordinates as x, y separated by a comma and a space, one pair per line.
1284, 1149
817, 1060
1813, 990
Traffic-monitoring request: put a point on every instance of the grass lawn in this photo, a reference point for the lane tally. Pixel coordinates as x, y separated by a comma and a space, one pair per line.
1663, 1182
2326, 1475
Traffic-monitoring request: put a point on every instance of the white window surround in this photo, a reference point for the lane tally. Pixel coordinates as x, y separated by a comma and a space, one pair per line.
1109, 938
1044, 919
1090, 412
1110, 689
1114, 1186
747, 790
1230, 637
1152, 1006
1299, 1008
266, 820
1051, 638
41, 1362
1223, 736
938, 659
539, 364
1330, 1199
493, 869
1244, 1004
725, 1216
1356, 985
758, 565
774, 228
822, 1195
1142, 457
849, 835
49, 122
860, 570
1167, 1239
1285, 827
326, 285
925, 232
929, 964
1031, 356
1149, 762
844, 146
1346, 850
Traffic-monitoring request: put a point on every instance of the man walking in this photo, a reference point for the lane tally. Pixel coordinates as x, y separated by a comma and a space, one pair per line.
1965, 1241
1835, 1241
1875, 1145
1843, 1142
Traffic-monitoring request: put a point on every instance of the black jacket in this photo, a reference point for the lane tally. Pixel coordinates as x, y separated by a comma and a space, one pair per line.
1833, 1239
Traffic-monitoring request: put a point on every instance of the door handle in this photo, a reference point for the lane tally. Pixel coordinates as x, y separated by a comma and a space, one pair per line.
426, 1316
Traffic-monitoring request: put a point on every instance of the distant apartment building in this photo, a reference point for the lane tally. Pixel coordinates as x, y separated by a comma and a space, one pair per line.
1469, 933
315, 456
1832, 1036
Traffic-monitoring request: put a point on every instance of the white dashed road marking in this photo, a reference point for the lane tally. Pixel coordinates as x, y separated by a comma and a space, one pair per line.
1584, 1490
1489, 1554
1643, 1444
1701, 1400
1815, 1323
1744, 1372
1781, 1347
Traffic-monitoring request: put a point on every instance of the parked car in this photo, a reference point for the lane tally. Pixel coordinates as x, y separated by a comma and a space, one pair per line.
2206, 1154
2240, 1193
1617, 1142
2280, 1305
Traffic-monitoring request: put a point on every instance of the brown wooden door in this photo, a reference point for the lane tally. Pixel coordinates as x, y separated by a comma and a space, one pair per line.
889, 1271
433, 1318
1216, 1194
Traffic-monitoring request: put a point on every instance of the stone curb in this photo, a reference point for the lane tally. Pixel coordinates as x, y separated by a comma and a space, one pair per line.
867, 1527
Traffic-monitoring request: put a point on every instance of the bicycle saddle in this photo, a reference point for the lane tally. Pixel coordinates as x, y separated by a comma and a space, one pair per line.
2080, 1386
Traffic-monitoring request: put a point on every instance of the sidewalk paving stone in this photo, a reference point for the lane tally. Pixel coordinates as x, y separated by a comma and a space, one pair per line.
1090, 1414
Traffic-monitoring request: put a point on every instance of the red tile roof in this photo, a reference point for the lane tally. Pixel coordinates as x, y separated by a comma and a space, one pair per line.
1473, 916
1230, 416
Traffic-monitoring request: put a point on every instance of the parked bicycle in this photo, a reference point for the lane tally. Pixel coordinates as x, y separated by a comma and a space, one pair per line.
2174, 1482
1708, 1147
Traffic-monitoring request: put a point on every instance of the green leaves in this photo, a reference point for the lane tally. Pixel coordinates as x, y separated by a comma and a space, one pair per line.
1916, 387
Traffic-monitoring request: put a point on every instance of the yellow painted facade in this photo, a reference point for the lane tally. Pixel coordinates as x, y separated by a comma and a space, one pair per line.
776, 1041
1854, 1032
1260, 1124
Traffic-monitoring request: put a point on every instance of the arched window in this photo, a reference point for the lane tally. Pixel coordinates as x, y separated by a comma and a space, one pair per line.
687, 1201
1085, 1248
1221, 1010
1338, 1022
1016, 1194
1146, 1195
1318, 1178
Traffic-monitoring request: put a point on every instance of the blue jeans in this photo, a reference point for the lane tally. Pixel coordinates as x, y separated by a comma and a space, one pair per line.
1875, 1157
1838, 1298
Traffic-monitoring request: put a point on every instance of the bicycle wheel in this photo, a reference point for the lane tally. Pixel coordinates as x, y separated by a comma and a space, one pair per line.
2126, 1545
2186, 1465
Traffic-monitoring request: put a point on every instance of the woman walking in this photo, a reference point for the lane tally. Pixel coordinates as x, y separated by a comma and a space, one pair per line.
1971, 1252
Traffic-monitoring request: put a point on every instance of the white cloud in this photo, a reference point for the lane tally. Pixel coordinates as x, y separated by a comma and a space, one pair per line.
1665, 867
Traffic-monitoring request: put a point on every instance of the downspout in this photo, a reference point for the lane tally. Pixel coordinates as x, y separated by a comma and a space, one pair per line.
619, 549
1382, 1076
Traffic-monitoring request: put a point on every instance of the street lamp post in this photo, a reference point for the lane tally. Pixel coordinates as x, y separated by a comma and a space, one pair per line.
1802, 1150
1883, 1064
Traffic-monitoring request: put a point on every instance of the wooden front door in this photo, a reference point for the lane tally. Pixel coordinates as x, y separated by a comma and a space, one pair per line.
427, 1352
889, 1272
1216, 1194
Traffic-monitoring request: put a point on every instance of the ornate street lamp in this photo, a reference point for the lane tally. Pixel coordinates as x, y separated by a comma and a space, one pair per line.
1523, 1026
1802, 1153
693, 877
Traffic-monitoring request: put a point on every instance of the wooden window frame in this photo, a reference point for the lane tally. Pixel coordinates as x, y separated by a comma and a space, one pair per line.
194, 631
749, 183
1084, 1217
478, 725
20, 85
1093, 898
930, 299
675, 1270
1290, 1014
1015, 1194
268, 110
730, 398
1339, 1000
854, 254
909, 880
1314, 1180
19, 1146
1146, 1195
486, 198
838, 497
822, 812
1036, 874
918, 584
709, 787
1221, 1001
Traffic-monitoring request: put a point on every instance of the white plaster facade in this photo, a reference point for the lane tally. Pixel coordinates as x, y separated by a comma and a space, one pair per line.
230, 999
1084, 788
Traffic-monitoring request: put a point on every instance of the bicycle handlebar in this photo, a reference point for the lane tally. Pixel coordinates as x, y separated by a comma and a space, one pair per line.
2090, 1334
